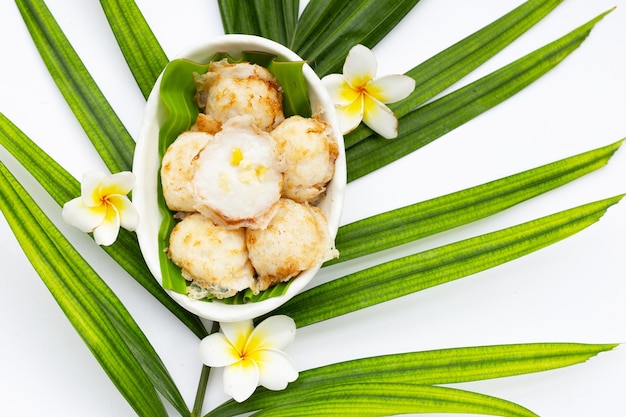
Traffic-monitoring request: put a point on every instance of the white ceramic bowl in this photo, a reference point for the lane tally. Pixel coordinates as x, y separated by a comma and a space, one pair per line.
146, 166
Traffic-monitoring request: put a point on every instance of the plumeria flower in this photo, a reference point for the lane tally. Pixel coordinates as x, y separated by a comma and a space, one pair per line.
103, 206
358, 95
251, 356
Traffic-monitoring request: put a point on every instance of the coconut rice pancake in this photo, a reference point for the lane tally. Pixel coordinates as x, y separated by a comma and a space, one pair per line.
296, 239
177, 170
214, 258
238, 176
227, 90
310, 150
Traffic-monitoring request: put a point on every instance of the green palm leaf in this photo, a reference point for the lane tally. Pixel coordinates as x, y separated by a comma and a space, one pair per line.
239, 17
324, 34
432, 76
58, 183
62, 187
99, 318
445, 366
146, 59
252, 18
436, 266
379, 400
92, 110
449, 66
325, 31
419, 220
328, 29
427, 123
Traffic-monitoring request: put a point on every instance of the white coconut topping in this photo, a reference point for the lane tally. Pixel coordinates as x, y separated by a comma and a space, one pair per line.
238, 176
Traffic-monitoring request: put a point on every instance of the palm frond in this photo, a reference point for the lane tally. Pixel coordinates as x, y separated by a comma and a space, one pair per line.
442, 366
143, 53
92, 110
437, 266
431, 121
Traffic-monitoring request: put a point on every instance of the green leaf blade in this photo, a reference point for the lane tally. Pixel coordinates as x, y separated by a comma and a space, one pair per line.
457, 365
444, 366
329, 28
379, 400
59, 183
429, 122
423, 219
271, 19
449, 66
436, 266
92, 110
143, 53
239, 17
62, 187
38, 238
277, 19
295, 93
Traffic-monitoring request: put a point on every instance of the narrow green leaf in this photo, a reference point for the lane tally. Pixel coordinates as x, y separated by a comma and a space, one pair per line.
426, 218
129, 331
143, 53
456, 365
92, 110
59, 183
177, 91
42, 244
239, 17
271, 19
437, 266
127, 328
379, 400
328, 29
447, 67
443, 366
427, 123
63, 187
277, 19
202, 384
295, 93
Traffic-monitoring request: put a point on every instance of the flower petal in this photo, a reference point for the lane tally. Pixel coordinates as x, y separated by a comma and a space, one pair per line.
380, 118
391, 88
237, 333
106, 233
350, 116
77, 214
118, 183
129, 216
90, 188
215, 350
339, 90
276, 369
241, 379
359, 67
275, 332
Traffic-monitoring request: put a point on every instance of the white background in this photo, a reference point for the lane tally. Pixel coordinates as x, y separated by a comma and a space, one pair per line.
573, 291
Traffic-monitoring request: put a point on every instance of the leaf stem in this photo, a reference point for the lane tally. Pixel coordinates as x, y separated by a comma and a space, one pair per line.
201, 392
203, 383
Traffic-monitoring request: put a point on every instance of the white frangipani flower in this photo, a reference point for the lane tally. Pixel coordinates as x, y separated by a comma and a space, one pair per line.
251, 356
103, 206
359, 95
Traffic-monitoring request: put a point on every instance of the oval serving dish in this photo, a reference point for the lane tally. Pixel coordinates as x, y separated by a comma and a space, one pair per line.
147, 163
